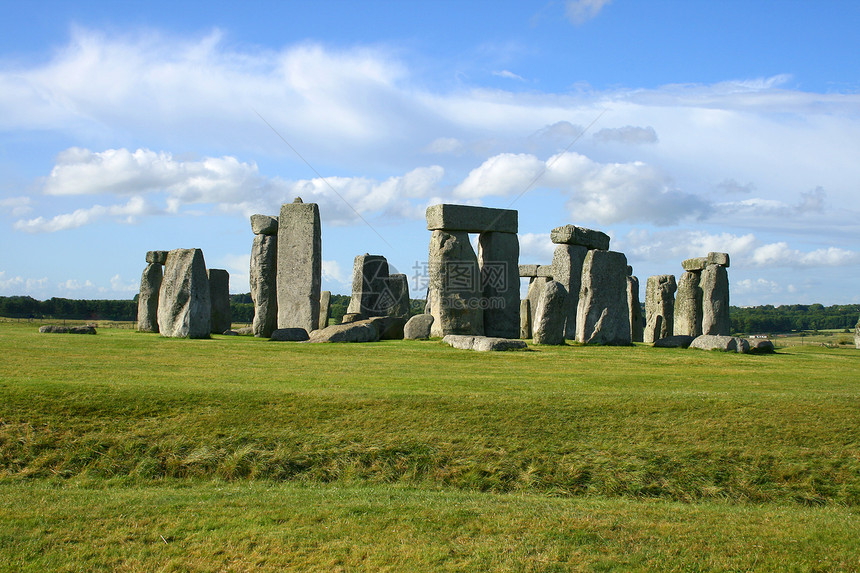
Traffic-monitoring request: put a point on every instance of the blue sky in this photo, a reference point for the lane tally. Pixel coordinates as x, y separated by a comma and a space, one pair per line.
677, 127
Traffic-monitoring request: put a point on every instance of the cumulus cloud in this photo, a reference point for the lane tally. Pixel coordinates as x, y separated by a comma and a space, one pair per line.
757, 286
117, 284
536, 248
581, 11
16, 206
780, 254
331, 271
628, 134
18, 285
128, 213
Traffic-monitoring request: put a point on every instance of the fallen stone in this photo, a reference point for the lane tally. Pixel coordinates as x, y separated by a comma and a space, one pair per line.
184, 308
674, 341
418, 327
454, 218
498, 257
455, 287
147, 300
350, 317
483, 343
219, 297
289, 335
695, 264
53, 329
245, 331
528, 270
721, 259
264, 292
264, 225
86, 329
637, 328
715, 301
688, 305
299, 266
760, 346
550, 315
659, 307
230, 333
602, 316
156, 257
573, 235
721, 343
567, 263
361, 331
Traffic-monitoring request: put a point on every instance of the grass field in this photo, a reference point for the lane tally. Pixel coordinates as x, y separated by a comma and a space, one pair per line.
128, 451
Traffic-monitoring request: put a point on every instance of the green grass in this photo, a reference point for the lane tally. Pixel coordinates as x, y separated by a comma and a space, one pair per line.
704, 460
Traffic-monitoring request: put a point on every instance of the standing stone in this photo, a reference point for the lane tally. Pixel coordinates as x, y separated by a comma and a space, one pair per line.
525, 319
394, 299
184, 310
455, 289
857, 335
635, 309
147, 301
659, 307
551, 314
567, 269
688, 305
299, 266
219, 297
602, 316
715, 301
498, 259
369, 273
536, 286
325, 308
264, 292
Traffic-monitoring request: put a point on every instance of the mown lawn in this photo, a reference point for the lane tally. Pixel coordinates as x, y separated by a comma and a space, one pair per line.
576, 457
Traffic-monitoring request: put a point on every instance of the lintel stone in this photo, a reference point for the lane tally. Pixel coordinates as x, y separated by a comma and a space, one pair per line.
471, 219
721, 259
545, 271
573, 235
695, 264
528, 270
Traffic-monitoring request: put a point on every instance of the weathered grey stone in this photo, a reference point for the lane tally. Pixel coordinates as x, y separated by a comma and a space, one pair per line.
53, 329
147, 300
857, 335
360, 331
721, 343
264, 291
721, 259
245, 331
602, 316
418, 327
695, 264
483, 343
545, 271
219, 297
715, 301
498, 259
83, 329
389, 327
536, 286
230, 333
471, 219
455, 289
674, 341
184, 309
325, 308
637, 327
368, 285
264, 225
550, 315
156, 257
525, 319
659, 307
352, 317
299, 266
394, 299
573, 235
289, 335
629, 271
760, 346
688, 305
528, 270
567, 269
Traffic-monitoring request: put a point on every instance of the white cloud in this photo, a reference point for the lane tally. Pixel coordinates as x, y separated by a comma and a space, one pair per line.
683, 244
628, 134
757, 286
581, 11
18, 285
75, 285
445, 145
16, 206
117, 284
331, 271
509, 75
128, 213
536, 248
780, 254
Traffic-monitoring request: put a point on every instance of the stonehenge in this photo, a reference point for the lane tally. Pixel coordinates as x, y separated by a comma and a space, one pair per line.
299, 273
659, 307
602, 316
467, 294
551, 314
263, 273
702, 302
857, 335
150, 284
184, 307
567, 260
219, 297
637, 328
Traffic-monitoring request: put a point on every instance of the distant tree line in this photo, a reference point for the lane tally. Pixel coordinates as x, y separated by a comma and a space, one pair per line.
754, 319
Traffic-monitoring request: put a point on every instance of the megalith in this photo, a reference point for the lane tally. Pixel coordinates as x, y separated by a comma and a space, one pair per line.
715, 296
369, 274
299, 265
525, 319
264, 274
147, 300
394, 300
602, 316
533, 294
688, 305
567, 269
659, 307
219, 297
184, 308
498, 254
455, 291
857, 335
635, 309
325, 308
551, 314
